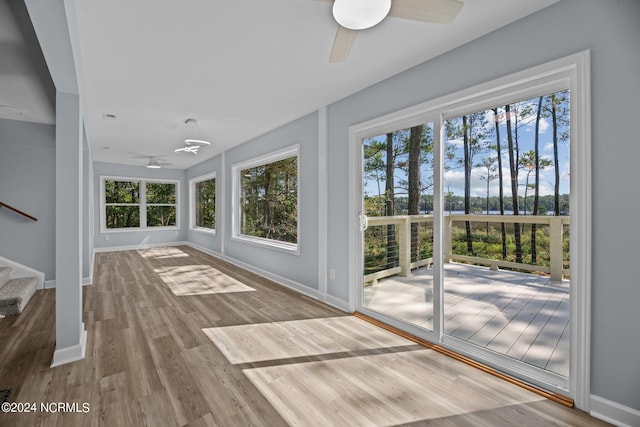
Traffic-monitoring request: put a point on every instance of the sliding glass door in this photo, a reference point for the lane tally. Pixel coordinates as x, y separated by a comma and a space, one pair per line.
465, 225
398, 224
506, 282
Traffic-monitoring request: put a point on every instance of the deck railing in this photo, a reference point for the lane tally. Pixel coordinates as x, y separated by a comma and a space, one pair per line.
403, 235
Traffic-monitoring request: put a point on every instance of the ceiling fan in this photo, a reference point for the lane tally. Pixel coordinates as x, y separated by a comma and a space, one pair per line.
153, 162
156, 163
355, 15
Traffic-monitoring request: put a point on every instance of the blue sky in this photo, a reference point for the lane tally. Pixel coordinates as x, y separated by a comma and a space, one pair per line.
454, 175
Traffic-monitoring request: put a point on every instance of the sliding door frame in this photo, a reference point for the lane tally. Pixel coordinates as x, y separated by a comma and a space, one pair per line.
571, 73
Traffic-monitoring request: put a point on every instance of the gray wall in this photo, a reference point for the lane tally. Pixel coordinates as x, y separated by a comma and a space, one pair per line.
207, 240
302, 268
143, 237
611, 30
27, 181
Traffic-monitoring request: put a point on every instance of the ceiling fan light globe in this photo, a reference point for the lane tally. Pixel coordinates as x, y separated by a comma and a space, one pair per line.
153, 166
360, 14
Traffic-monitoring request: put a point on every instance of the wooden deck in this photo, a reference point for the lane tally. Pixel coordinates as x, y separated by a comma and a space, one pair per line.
524, 316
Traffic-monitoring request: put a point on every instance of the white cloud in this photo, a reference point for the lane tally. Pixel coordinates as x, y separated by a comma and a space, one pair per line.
544, 125
457, 142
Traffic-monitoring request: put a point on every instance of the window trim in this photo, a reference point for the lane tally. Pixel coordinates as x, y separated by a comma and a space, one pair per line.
192, 201
142, 205
236, 169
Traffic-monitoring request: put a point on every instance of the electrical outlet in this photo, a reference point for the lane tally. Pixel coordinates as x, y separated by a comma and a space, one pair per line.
332, 274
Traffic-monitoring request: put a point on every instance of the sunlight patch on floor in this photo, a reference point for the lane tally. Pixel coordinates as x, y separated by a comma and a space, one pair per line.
297, 338
523, 316
199, 280
162, 253
385, 389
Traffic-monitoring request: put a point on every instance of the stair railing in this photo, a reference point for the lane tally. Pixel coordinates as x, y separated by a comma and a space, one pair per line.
33, 218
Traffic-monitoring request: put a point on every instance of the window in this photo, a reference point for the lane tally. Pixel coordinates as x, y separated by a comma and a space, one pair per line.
132, 203
161, 204
122, 203
203, 203
266, 200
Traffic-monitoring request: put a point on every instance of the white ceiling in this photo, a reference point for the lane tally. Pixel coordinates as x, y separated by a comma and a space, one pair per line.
240, 67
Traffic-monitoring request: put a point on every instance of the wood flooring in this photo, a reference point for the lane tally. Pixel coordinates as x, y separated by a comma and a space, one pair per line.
179, 338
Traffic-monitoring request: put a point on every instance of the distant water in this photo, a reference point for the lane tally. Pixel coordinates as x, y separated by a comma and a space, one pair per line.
446, 212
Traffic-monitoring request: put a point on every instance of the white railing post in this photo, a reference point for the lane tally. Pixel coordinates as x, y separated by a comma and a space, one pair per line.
555, 248
404, 243
448, 224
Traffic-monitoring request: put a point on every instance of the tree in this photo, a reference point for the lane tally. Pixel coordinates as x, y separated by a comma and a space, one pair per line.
489, 164
415, 145
467, 181
558, 109
389, 193
536, 196
496, 118
270, 199
514, 183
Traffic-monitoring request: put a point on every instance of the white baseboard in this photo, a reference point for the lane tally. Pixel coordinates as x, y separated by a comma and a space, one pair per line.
283, 281
206, 250
338, 303
51, 284
141, 246
70, 354
288, 283
613, 412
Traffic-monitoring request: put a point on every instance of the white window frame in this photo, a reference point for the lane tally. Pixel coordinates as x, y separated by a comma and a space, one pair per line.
573, 73
142, 205
236, 169
192, 203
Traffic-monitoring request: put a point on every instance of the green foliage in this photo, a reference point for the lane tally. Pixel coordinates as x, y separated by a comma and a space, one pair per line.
375, 160
122, 199
161, 216
487, 244
123, 216
381, 249
125, 197
270, 201
121, 192
205, 193
161, 193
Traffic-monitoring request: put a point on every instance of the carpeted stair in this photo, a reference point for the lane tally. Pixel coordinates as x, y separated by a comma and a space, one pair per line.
15, 293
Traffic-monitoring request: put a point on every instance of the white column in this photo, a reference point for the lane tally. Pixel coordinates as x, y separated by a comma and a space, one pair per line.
70, 333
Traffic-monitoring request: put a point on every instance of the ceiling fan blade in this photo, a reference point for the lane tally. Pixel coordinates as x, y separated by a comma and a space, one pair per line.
435, 11
342, 44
